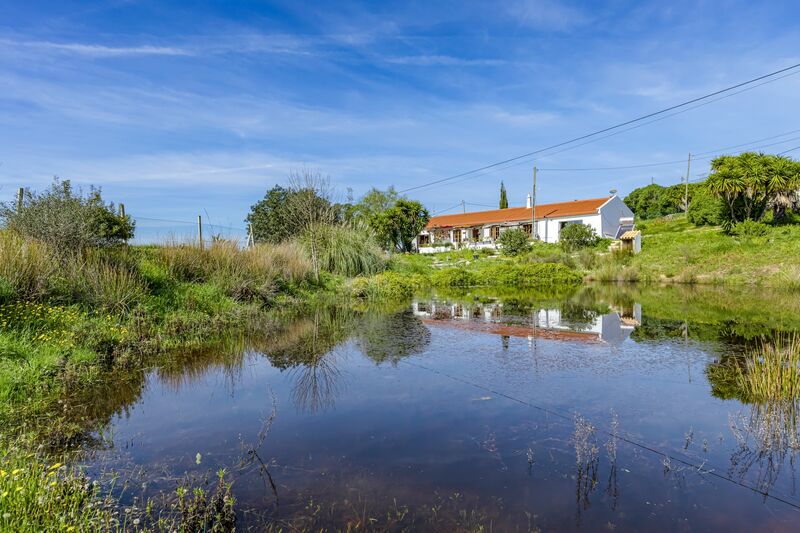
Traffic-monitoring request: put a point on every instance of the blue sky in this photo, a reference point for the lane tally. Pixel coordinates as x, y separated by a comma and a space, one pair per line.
179, 109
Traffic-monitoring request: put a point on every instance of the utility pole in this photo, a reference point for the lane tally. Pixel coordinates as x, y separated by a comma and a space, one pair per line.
533, 207
686, 188
20, 196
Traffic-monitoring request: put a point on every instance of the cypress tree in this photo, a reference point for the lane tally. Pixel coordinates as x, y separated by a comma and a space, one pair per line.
503, 197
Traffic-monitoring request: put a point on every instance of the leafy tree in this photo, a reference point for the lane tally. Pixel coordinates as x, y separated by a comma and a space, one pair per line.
514, 241
655, 201
576, 236
704, 208
268, 217
67, 219
397, 226
750, 183
375, 201
503, 196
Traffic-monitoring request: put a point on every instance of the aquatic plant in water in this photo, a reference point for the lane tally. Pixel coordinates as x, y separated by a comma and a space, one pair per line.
773, 371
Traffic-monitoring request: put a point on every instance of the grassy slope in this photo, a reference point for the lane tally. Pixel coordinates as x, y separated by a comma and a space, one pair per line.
674, 250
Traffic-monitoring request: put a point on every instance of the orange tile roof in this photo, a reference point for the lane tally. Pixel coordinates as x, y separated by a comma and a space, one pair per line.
518, 214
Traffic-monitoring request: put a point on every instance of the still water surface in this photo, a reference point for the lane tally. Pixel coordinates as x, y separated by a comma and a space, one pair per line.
602, 410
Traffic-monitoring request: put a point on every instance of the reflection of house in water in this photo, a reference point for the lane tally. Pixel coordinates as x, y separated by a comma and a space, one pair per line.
558, 324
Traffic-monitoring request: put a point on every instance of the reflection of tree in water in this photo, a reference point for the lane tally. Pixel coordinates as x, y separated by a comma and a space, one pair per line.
767, 437
308, 348
392, 337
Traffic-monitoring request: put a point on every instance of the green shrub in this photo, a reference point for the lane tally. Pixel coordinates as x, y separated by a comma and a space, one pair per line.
749, 228
68, 220
529, 275
107, 287
576, 236
705, 209
514, 242
453, 277
387, 286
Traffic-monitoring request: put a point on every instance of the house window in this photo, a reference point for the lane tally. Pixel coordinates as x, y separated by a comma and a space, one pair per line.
495, 232
424, 240
476, 234
456, 235
562, 225
527, 228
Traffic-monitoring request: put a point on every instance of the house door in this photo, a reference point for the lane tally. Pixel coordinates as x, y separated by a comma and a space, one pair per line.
456, 236
476, 234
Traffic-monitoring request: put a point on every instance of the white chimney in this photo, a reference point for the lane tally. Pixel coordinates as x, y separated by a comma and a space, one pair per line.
529, 203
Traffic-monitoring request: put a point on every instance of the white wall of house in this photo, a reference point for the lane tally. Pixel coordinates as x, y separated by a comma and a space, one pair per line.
550, 228
610, 212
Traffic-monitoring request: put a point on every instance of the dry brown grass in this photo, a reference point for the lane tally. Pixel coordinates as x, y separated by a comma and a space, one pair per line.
26, 266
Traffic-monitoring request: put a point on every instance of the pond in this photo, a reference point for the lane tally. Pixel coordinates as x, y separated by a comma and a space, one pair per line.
609, 408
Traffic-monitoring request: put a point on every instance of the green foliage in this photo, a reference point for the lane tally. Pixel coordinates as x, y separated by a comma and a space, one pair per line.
67, 220
576, 236
749, 229
387, 286
375, 202
750, 183
704, 208
350, 250
453, 277
529, 275
514, 242
503, 196
771, 372
654, 200
398, 226
285, 213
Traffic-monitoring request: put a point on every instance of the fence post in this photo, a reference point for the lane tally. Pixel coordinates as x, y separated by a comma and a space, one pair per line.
122, 210
251, 240
199, 231
20, 196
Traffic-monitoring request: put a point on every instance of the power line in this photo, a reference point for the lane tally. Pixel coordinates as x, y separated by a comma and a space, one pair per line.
790, 150
610, 128
681, 161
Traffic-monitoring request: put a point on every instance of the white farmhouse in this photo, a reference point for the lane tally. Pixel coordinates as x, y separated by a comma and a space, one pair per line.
609, 217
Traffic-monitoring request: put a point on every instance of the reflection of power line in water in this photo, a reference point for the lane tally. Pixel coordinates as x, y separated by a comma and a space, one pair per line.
700, 468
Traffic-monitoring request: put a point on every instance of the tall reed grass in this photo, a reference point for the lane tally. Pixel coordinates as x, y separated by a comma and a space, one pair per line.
772, 372
25, 266
348, 250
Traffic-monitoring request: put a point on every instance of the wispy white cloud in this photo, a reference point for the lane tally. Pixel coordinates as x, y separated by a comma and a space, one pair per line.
98, 50
443, 60
553, 15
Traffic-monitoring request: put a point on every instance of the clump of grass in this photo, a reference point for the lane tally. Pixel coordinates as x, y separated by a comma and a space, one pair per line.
110, 288
349, 250
772, 372
25, 266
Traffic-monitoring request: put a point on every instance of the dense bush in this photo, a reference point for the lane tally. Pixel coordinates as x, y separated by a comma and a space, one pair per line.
67, 220
514, 242
387, 286
705, 209
576, 236
654, 200
529, 275
749, 228
453, 277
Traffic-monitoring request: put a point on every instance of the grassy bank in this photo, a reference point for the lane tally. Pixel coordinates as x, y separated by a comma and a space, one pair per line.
673, 250
64, 319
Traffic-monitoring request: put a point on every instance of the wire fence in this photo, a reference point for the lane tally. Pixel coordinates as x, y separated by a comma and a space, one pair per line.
162, 231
